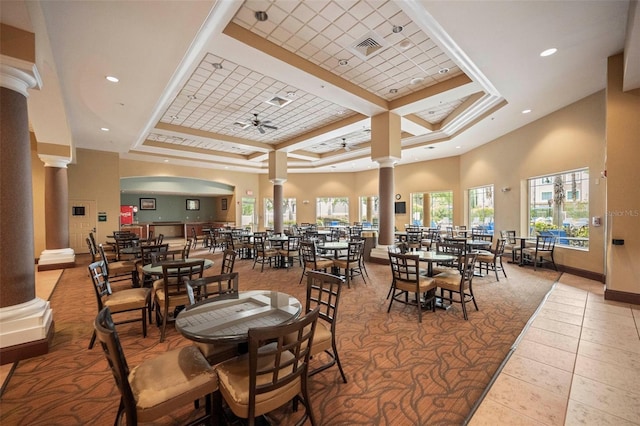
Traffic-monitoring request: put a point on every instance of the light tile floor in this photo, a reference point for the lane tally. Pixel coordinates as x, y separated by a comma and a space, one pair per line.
578, 363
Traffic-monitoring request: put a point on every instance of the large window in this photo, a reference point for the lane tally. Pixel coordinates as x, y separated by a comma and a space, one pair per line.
332, 211
432, 209
288, 212
481, 208
559, 205
369, 213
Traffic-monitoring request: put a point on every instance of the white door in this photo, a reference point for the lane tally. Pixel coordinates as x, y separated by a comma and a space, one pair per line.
81, 224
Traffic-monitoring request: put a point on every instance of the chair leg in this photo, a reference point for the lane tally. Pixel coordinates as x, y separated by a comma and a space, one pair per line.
144, 322
93, 340
337, 358
419, 305
164, 322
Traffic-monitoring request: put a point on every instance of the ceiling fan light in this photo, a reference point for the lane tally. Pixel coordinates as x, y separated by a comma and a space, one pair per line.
261, 15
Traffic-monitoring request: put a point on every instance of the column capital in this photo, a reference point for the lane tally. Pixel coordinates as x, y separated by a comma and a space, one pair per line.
386, 161
19, 75
54, 160
278, 181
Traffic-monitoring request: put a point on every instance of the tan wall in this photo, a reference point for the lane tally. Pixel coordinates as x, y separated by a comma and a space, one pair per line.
95, 176
242, 182
570, 138
429, 176
623, 177
309, 187
37, 183
567, 139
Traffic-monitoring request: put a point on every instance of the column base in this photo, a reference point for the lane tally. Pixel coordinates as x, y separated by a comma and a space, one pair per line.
25, 330
57, 259
380, 254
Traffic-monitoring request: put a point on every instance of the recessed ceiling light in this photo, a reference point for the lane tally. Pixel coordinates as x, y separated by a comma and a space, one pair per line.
526, 111
261, 15
166, 161
393, 90
458, 147
443, 70
216, 65
397, 29
343, 62
192, 97
291, 94
405, 44
549, 52
112, 79
104, 129
173, 117
417, 80
430, 147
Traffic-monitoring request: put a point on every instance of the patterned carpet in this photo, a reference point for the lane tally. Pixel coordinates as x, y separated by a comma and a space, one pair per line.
399, 372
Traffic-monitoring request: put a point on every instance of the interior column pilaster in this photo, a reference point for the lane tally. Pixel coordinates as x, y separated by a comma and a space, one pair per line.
26, 320
58, 254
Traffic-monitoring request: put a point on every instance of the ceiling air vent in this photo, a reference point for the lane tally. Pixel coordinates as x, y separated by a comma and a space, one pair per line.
278, 101
369, 45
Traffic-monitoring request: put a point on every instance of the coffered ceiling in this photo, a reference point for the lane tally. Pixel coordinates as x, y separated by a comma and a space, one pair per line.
209, 84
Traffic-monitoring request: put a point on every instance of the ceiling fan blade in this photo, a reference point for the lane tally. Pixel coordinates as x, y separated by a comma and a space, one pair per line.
260, 129
268, 126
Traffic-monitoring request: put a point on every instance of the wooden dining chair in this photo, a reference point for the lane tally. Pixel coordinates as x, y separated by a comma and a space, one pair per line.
120, 270
311, 261
458, 285
122, 301
407, 280
161, 385
492, 259
275, 373
324, 290
351, 265
208, 289
173, 296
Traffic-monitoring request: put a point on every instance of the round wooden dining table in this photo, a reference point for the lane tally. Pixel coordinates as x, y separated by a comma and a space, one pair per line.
156, 269
228, 319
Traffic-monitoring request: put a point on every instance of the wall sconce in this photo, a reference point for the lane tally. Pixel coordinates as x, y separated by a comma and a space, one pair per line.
305, 201
506, 189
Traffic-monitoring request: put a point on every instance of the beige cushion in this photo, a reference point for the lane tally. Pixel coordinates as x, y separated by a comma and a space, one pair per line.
233, 377
173, 379
321, 263
425, 284
448, 280
487, 258
177, 300
121, 267
321, 337
124, 300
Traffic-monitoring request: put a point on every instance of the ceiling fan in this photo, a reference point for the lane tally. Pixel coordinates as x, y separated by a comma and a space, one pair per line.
261, 124
344, 145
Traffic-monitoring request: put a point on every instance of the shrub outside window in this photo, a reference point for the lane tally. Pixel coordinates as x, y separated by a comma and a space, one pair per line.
440, 209
288, 212
481, 208
332, 211
559, 206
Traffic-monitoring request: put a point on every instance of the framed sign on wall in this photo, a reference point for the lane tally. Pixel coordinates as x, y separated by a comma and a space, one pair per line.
147, 203
193, 204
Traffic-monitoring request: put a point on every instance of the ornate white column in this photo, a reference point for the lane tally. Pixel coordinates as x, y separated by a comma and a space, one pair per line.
57, 254
25, 320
